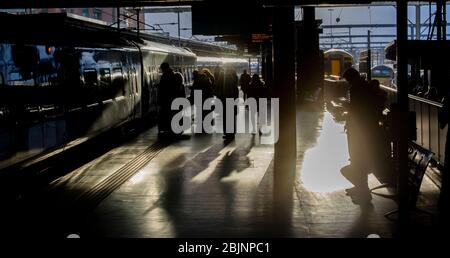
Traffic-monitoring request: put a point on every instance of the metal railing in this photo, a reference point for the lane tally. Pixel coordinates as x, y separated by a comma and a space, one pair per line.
429, 135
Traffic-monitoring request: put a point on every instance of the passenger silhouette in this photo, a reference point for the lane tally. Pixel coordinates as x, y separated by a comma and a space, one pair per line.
227, 87
167, 91
217, 71
179, 86
207, 89
202, 82
358, 125
244, 82
256, 90
210, 76
195, 85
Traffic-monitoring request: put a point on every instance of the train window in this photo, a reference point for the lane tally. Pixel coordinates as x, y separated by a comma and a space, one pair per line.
105, 76
117, 72
381, 73
183, 73
135, 78
151, 72
157, 74
190, 74
386, 73
118, 82
149, 76
90, 77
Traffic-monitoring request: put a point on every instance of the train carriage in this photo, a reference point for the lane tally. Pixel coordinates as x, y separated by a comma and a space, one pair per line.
66, 83
336, 61
153, 55
384, 74
58, 89
239, 64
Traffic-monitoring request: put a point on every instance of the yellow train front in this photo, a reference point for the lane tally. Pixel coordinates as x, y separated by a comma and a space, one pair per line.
336, 61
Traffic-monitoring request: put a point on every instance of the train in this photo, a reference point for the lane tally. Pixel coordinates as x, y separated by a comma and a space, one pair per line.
336, 61
59, 90
384, 74
211, 62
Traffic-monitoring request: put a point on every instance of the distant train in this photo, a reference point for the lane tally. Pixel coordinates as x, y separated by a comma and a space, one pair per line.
384, 74
56, 93
336, 61
239, 64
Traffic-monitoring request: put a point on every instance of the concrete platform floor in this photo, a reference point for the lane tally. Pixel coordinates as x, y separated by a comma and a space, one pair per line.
199, 186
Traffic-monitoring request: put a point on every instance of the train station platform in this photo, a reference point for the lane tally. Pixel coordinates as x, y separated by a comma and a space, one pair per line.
200, 186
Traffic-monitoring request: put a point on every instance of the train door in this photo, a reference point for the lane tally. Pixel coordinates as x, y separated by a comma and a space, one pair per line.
335, 67
132, 84
127, 85
145, 83
153, 84
136, 78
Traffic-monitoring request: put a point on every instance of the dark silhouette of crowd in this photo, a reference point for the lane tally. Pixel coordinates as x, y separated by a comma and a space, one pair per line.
227, 87
244, 82
222, 84
170, 87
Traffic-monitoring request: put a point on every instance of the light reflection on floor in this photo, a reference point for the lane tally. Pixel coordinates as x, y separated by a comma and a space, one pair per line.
320, 170
201, 187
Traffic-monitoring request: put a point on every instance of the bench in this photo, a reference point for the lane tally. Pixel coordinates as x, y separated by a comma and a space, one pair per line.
418, 160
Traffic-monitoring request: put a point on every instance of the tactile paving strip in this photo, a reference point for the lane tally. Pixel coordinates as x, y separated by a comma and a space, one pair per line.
100, 191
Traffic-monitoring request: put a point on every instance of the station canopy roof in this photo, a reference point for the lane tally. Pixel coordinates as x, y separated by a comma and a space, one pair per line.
136, 3
242, 20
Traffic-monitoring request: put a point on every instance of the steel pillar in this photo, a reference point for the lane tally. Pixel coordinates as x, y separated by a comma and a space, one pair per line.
309, 75
402, 125
284, 87
268, 64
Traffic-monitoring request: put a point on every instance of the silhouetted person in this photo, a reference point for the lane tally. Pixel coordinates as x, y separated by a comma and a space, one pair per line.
195, 84
244, 82
179, 86
358, 125
256, 90
211, 78
177, 91
217, 71
206, 84
203, 83
227, 87
167, 91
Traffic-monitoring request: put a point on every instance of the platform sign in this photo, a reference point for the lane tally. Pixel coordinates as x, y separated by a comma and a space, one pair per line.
259, 38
